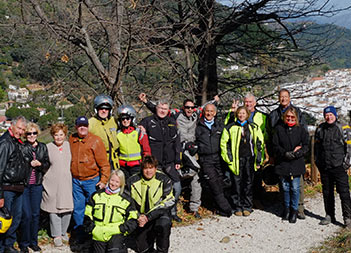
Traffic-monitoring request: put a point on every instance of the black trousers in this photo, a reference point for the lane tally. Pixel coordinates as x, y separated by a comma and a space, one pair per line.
115, 245
159, 230
130, 171
338, 177
242, 185
213, 175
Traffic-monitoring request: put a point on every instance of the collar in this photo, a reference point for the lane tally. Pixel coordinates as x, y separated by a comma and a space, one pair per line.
128, 130
12, 135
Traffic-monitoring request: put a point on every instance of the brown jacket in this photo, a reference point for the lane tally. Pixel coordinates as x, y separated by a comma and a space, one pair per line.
89, 158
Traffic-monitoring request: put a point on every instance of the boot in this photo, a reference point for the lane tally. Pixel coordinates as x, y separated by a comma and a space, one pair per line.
293, 216
286, 213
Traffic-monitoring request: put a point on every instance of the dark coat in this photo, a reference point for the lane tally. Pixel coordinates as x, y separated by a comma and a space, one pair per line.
41, 154
285, 139
330, 145
275, 119
163, 139
208, 141
13, 167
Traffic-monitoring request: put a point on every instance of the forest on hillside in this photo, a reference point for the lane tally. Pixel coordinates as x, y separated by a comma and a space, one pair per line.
172, 49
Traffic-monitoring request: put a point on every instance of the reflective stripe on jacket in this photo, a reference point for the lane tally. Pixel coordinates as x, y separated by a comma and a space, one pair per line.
230, 142
129, 147
112, 214
160, 194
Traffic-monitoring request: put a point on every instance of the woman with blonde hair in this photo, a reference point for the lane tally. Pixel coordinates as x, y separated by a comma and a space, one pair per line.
117, 219
290, 144
57, 195
36, 154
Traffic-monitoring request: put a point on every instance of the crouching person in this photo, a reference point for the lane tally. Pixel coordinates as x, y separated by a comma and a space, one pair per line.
110, 215
151, 191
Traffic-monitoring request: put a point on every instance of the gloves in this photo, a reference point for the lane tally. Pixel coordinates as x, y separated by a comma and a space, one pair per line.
290, 155
88, 225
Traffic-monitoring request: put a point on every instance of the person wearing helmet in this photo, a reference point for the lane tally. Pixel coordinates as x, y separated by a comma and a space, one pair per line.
133, 142
104, 125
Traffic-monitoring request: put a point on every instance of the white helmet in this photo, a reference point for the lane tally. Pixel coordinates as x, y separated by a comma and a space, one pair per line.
103, 101
126, 111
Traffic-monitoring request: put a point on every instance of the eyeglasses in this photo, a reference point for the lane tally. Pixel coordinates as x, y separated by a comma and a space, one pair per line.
104, 109
31, 133
126, 118
189, 107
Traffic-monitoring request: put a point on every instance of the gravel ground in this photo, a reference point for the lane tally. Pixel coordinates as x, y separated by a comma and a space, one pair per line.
262, 231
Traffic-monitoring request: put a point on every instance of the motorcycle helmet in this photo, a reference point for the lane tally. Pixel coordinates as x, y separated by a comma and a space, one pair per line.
103, 102
5, 220
126, 111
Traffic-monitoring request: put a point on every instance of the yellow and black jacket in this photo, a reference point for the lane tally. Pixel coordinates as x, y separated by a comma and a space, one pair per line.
107, 130
230, 142
111, 213
153, 197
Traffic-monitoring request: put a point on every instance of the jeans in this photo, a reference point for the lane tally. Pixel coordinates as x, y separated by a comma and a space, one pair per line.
30, 215
177, 190
81, 194
291, 190
13, 203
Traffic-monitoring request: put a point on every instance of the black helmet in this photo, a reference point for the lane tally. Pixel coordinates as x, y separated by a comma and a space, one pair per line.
103, 102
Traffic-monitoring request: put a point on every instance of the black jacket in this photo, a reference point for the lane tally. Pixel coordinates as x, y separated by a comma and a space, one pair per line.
274, 119
41, 154
285, 139
13, 167
208, 141
163, 139
331, 145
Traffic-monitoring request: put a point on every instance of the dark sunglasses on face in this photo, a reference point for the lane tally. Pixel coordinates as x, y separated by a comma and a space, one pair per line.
31, 133
189, 107
125, 118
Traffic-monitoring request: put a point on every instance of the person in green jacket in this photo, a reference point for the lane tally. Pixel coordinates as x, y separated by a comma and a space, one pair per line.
110, 214
241, 147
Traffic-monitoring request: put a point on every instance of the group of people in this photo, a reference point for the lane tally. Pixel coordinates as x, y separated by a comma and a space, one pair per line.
118, 179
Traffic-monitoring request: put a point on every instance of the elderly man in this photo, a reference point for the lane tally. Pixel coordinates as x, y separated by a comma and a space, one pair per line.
165, 146
103, 124
208, 134
275, 118
187, 119
13, 174
90, 169
332, 155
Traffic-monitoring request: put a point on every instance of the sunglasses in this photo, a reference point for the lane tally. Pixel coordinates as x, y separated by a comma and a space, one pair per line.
31, 133
126, 118
189, 107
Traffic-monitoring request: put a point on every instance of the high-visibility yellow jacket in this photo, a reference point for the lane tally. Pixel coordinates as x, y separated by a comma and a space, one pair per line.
230, 142
107, 130
112, 214
160, 196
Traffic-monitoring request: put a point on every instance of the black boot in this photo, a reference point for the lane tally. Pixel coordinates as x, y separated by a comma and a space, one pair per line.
286, 213
293, 216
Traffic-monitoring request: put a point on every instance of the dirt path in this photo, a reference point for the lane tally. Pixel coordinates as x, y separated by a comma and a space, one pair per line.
263, 231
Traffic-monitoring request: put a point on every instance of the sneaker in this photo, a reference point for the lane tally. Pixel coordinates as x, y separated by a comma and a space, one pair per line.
65, 238
246, 213
176, 218
197, 215
35, 248
58, 242
238, 213
326, 220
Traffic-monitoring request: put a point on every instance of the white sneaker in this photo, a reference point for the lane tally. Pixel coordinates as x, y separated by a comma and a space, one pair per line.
65, 238
58, 242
